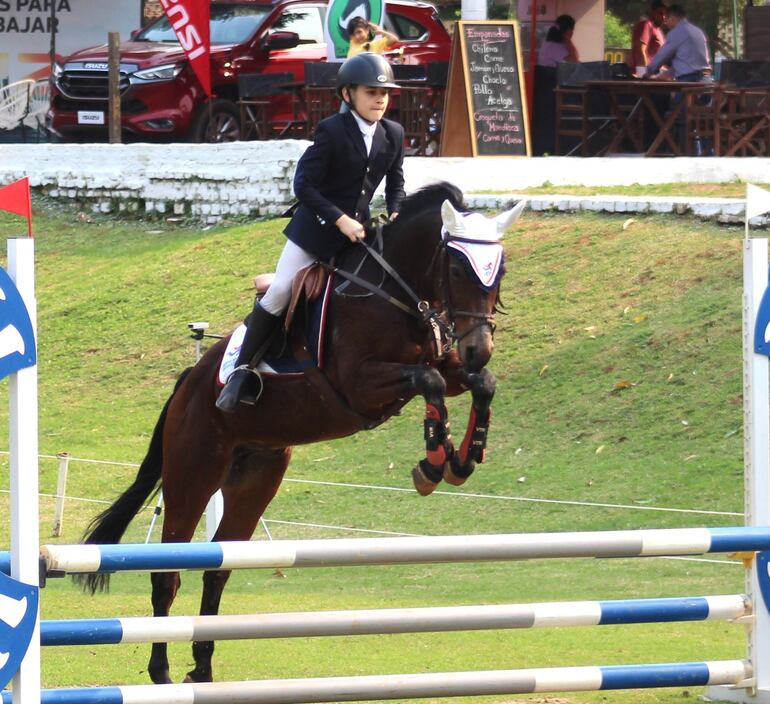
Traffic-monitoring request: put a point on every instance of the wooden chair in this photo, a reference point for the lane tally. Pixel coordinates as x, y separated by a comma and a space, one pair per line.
702, 109
744, 122
415, 109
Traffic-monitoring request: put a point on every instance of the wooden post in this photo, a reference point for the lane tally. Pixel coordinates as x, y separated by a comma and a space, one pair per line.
114, 87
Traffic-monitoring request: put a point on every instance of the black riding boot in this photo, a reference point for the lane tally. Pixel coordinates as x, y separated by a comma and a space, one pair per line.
259, 330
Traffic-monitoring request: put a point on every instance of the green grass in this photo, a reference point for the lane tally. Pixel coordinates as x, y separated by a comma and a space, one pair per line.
619, 370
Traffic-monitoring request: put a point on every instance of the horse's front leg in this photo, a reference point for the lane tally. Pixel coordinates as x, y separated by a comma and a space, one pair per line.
439, 450
474, 444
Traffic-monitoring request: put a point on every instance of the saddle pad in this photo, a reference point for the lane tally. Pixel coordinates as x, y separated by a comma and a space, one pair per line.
283, 364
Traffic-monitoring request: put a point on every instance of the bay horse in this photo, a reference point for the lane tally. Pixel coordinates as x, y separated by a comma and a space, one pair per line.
421, 323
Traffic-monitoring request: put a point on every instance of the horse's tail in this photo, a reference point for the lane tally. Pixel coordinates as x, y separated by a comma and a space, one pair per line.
110, 525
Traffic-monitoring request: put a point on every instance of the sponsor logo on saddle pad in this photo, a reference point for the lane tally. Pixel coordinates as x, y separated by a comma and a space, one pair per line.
18, 615
17, 339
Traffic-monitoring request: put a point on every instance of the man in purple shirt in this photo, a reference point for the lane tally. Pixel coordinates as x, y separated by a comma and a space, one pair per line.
685, 49
686, 52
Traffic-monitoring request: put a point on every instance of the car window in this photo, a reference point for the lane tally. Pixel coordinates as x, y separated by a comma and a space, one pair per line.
230, 24
306, 21
406, 29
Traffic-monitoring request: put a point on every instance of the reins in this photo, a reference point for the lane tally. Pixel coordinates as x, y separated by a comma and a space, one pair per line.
444, 332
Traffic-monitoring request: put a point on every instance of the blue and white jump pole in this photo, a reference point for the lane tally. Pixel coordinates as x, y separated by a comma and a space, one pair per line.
23, 443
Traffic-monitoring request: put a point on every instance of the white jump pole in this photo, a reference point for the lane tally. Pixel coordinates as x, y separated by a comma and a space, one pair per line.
756, 434
25, 528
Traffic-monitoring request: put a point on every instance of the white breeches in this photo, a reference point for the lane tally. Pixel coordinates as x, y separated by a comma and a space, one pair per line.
292, 259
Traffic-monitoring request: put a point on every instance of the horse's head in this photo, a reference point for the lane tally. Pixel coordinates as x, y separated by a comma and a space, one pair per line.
469, 278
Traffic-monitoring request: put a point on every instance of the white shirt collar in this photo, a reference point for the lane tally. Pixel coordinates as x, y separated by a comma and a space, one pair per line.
367, 130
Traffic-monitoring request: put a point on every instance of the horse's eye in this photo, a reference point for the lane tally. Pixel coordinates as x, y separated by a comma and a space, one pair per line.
455, 271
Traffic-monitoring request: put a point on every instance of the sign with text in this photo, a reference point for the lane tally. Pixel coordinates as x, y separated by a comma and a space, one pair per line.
25, 31
485, 111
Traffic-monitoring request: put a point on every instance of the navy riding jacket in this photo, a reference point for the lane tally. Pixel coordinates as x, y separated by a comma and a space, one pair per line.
335, 176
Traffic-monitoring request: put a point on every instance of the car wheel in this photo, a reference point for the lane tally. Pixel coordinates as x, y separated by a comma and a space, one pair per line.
217, 122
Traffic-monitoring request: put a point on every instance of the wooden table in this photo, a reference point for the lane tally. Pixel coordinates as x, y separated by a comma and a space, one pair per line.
629, 116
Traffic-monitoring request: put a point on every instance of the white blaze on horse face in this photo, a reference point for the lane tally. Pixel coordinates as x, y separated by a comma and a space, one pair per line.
486, 253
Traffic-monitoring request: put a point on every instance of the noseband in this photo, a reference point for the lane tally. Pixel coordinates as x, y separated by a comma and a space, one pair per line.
441, 321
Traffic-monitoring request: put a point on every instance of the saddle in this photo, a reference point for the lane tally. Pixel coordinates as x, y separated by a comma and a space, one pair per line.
308, 285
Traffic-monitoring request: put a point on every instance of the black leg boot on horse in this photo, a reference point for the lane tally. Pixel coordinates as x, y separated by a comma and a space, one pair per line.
260, 328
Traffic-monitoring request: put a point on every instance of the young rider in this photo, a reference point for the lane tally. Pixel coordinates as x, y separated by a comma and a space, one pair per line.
335, 180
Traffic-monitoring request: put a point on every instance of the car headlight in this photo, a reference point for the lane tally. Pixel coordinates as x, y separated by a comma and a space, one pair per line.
58, 69
159, 73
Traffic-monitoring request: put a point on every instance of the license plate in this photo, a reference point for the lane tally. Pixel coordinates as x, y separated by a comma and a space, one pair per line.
90, 117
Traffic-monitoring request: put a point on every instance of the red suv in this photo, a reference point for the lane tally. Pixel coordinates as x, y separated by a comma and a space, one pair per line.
162, 99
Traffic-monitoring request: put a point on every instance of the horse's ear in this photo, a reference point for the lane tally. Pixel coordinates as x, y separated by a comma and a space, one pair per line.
450, 217
506, 219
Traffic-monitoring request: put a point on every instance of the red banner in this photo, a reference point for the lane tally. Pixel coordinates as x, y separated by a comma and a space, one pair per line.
15, 199
190, 21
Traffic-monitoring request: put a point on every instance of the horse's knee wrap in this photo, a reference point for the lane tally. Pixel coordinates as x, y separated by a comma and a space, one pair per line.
474, 443
436, 436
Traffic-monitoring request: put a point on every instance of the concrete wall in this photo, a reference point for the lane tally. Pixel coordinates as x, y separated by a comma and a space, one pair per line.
208, 182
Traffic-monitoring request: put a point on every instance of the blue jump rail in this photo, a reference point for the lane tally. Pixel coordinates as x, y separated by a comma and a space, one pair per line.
170, 557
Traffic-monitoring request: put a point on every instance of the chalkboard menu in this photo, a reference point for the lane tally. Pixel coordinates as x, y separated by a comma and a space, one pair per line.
485, 113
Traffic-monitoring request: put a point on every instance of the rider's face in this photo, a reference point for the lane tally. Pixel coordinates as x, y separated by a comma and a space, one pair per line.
369, 102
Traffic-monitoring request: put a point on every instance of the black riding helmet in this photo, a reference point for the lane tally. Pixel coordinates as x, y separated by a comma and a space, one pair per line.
365, 69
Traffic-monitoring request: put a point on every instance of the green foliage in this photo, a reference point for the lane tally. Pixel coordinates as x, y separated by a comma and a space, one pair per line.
619, 382
617, 34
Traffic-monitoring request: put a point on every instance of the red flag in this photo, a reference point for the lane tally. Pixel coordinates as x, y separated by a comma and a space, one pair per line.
190, 20
15, 198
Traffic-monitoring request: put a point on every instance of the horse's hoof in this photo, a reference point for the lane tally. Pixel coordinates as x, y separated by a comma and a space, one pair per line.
451, 478
424, 486
456, 473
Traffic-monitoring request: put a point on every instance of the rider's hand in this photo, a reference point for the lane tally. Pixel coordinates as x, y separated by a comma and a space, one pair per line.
352, 229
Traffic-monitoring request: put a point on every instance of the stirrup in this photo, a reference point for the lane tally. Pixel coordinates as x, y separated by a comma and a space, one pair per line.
249, 400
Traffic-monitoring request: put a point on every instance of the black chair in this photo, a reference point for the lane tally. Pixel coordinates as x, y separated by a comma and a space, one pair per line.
321, 98
409, 72
321, 73
583, 116
544, 111
744, 74
570, 73
255, 91
437, 73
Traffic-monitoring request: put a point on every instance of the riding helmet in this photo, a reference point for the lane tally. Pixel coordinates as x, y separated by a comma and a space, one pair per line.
365, 69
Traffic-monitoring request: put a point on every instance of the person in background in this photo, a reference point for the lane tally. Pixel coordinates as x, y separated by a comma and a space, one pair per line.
558, 45
685, 49
360, 31
686, 52
647, 36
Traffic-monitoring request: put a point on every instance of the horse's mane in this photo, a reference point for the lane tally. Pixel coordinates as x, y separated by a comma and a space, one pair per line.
431, 196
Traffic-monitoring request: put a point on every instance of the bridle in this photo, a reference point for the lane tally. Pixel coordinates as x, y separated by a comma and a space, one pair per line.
441, 321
